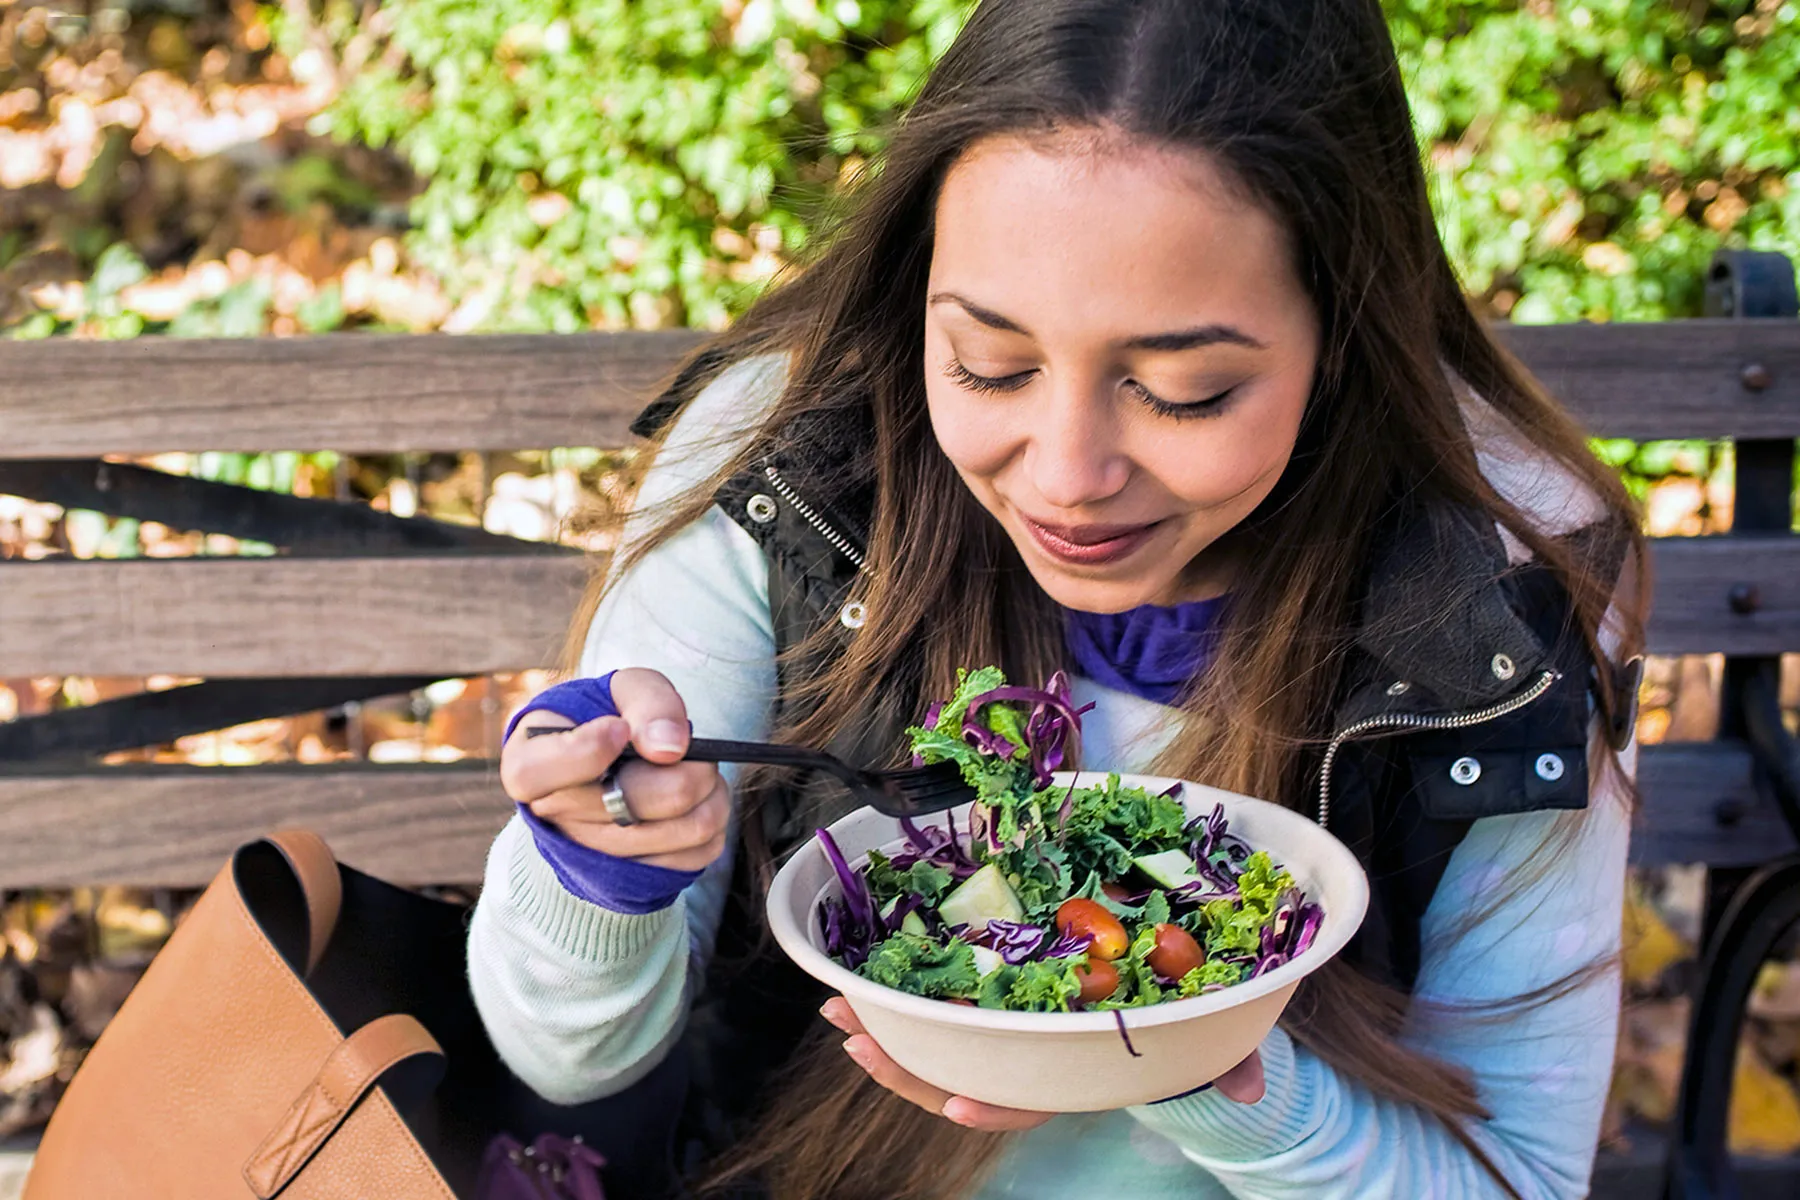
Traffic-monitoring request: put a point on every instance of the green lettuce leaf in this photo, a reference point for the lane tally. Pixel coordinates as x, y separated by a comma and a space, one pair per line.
910, 963
1207, 974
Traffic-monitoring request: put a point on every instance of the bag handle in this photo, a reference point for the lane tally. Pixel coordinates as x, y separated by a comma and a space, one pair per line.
349, 1072
316, 868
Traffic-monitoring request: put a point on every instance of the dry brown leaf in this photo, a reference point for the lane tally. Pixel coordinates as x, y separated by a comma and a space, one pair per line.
1650, 946
1765, 1111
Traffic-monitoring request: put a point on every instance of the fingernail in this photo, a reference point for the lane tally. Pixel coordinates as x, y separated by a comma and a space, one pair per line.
858, 1053
950, 1113
663, 734
828, 1015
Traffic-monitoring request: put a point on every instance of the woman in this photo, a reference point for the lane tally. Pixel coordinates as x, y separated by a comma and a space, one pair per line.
1139, 356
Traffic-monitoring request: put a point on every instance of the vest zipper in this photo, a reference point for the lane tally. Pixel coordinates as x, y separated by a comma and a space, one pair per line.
1416, 723
842, 544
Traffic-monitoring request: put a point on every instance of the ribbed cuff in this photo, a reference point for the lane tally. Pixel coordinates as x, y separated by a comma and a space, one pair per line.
583, 930
1210, 1126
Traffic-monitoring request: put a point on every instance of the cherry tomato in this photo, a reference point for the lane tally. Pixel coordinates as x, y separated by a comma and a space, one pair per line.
1116, 891
1099, 979
1080, 917
1176, 952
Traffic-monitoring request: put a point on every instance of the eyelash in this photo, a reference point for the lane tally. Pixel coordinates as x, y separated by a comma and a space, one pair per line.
985, 384
1212, 406
989, 384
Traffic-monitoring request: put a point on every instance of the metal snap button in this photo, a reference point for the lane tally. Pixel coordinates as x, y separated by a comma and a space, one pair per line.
761, 508
1399, 688
853, 615
1550, 767
1465, 771
1503, 667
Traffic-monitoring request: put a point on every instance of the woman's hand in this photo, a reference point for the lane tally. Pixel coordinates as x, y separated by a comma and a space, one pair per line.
682, 808
1243, 1083
881, 1068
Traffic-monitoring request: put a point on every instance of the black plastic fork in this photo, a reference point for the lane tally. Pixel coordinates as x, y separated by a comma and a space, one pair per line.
909, 792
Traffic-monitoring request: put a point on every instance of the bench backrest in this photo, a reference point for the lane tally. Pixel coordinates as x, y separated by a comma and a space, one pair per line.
410, 608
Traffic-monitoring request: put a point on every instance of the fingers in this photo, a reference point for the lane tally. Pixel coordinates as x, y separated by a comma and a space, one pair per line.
532, 768
650, 705
654, 793
883, 1070
990, 1118
687, 841
1244, 1083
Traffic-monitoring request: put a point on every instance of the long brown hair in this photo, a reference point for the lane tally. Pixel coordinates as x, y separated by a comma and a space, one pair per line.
1302, 105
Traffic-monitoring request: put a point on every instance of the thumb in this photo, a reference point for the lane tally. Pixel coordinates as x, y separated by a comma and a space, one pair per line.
650, 704
1244, 1083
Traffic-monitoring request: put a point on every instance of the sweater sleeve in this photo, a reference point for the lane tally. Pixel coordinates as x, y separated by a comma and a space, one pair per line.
1542, 1071
579, 1000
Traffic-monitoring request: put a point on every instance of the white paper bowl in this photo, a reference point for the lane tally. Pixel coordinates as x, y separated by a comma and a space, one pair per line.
1077, 1062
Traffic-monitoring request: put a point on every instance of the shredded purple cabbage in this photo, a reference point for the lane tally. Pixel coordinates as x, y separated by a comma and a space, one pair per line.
1119, 1018
856, 923
1015, 941
912, 902
1067, 944
940, 847
1202, 891
1054, 723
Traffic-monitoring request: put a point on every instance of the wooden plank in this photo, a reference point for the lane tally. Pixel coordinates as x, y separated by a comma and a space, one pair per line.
356, 393
367, 393
432, 615
1685, 788
1694, 580
176, 826
469, 614
1675, 379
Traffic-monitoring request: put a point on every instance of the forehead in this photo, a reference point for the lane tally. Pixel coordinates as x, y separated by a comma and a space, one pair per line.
1106, 234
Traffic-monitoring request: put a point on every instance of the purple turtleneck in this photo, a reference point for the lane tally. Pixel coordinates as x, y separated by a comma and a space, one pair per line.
1152, 651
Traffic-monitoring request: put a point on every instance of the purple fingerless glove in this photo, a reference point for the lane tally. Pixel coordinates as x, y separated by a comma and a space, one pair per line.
622, 885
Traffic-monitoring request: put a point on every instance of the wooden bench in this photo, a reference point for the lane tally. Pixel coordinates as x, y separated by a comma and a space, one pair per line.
358, 604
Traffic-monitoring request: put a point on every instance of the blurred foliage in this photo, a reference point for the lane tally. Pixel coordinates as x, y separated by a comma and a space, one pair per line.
1589, 157
627, 162
649, 162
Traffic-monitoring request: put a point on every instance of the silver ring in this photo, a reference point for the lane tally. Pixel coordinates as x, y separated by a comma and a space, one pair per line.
613, 796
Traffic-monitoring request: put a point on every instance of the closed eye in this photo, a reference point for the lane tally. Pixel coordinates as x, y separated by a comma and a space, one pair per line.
965, 378
1182, 410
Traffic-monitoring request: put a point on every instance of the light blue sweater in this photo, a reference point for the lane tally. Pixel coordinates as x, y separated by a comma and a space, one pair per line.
581, 1001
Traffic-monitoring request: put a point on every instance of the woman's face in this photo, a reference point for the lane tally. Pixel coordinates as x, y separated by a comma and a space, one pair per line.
1118, 352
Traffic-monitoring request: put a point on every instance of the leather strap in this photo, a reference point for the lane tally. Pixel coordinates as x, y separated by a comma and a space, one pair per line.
350, 1071
316, 868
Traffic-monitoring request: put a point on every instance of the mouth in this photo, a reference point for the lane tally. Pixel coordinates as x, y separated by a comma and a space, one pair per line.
1089, 545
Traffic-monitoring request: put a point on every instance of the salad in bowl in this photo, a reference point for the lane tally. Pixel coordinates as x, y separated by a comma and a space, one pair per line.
1148, 929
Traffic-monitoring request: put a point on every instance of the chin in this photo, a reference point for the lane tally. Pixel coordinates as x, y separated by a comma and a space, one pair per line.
1101, 596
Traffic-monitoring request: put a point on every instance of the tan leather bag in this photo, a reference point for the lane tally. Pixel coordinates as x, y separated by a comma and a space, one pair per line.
222, 1078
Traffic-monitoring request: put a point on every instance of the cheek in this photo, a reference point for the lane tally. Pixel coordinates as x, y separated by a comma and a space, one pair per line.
975, 432
1231, 463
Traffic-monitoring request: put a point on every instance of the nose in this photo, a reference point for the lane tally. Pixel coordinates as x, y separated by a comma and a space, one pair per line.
1073, 455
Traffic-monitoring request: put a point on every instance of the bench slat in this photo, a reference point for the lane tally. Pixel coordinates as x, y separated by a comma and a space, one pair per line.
374, 394
1694, 579
355, 393
443, 616
468, 614
174, 826
1669, 379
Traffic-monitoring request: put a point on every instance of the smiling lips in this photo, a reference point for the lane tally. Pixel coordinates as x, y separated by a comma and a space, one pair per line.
1089, 545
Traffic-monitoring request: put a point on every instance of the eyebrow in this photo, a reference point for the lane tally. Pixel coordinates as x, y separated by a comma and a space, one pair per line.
1181, 339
